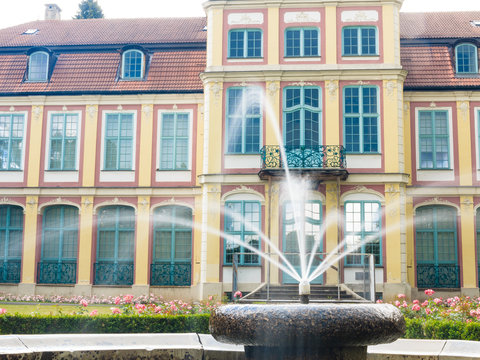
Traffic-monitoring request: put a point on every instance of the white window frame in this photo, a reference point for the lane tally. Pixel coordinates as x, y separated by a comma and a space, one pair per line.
142, 76
30, 67
118, 175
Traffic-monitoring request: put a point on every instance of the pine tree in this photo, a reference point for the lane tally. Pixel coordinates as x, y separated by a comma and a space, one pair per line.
89, 9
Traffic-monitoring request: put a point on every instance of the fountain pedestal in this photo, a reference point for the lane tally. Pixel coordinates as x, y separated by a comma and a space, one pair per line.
300, 331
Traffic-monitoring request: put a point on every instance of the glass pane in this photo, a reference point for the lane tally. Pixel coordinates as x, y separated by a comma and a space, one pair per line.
236, 43
350, 41
292, 43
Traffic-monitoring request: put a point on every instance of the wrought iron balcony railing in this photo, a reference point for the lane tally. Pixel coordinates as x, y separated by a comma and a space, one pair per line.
304, 157
10, 271
438, 276
54, 272
168, 274
114, 273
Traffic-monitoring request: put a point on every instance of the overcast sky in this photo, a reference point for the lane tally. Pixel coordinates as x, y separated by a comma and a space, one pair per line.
14, 12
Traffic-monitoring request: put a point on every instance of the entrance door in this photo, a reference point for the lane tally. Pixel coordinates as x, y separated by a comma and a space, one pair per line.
312, 223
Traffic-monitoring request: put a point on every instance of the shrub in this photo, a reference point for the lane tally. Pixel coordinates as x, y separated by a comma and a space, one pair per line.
71, 324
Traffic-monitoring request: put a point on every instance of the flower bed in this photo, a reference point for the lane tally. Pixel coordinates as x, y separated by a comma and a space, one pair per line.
128, 315
438, 318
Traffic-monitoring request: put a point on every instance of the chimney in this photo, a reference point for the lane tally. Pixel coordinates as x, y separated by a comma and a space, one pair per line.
52, 12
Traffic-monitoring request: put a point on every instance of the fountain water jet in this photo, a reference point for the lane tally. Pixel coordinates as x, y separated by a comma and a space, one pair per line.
306, 331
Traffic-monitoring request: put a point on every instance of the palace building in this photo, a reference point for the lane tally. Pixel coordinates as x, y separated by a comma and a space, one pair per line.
132, 149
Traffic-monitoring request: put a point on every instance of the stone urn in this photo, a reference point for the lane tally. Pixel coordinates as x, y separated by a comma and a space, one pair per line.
299, 331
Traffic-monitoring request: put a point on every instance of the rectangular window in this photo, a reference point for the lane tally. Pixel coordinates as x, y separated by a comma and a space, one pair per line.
11, 141
174, 141
361, 119
359, 41
119, 141
302, 42
242, 224
243, 120
245, 43
363, 232
433, 139
63, 141
302, 117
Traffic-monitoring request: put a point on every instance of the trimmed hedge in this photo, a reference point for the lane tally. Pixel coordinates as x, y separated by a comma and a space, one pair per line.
442, 329
71, 324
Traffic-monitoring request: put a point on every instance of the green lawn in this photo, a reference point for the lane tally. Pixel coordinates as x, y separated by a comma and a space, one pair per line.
53, 308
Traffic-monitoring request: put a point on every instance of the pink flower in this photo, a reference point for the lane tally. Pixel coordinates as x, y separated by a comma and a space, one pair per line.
115, 310
429, 292
3, 311
140, 307
437, 301
397, 303
238, 294
416, 307
210, 298
428, 311
405, 304
93, 313
401, 296
425, 303
117, 300
416, 302
84, 303
379, 301
128, 298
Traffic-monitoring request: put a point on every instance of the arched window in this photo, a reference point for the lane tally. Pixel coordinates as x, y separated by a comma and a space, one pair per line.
38, 66
466, 59
172, 246
436, 245
58, 263
115, 245
313, 236
132, 65
11, 235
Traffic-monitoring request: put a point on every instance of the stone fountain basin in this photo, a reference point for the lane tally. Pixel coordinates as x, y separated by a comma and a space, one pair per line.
316, 325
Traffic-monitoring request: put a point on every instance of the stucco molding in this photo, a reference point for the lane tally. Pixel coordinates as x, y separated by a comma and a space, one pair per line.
436, 201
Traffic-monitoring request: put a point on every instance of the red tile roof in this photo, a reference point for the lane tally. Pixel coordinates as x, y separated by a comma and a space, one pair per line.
174, 71
432, 67
430, 25
105, 31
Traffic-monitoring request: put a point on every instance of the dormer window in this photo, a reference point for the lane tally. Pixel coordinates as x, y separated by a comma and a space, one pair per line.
38, 66
133, 65
466, 58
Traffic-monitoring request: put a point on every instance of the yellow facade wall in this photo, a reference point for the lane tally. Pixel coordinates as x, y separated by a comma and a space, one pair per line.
35, 146
389, 38
273, 36
332, 232
393, 249
464, 143
467, 231
146, 147
332, 113
331, 30
391, 126
142, 241
85, 241
30, 240
90, 147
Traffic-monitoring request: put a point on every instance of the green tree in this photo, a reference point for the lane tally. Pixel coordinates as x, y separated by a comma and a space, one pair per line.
89, 9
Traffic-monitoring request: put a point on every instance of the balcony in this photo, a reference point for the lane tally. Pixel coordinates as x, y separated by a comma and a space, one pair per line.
168, 274
438, 276
323, 162
55, 272
113, 273
10, 271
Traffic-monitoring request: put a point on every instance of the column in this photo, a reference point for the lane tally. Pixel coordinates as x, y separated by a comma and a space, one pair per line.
35, 146
332, 212
142, 258
29, 255
90, 146
146, 147
468, 265
85, 238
